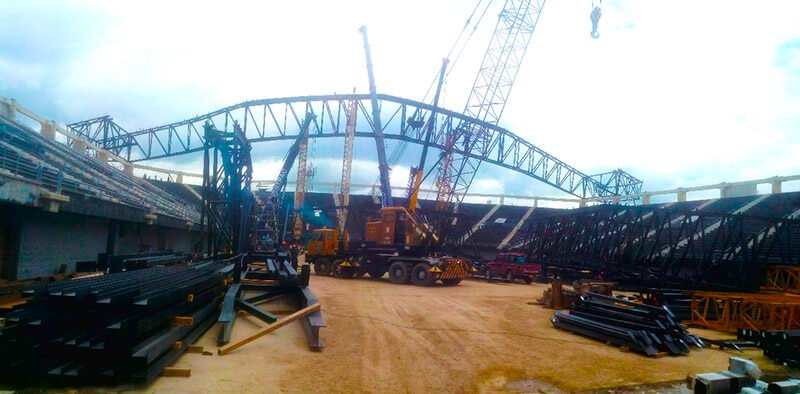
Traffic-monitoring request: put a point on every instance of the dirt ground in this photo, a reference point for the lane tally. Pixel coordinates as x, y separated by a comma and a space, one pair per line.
474, 337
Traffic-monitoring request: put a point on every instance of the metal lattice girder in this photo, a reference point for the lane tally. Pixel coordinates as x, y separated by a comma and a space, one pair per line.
347, 166
487, 100
625, 243
104, 128
281, 119
619, 182
502, 60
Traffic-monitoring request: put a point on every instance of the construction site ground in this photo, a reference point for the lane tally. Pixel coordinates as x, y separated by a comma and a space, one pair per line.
474, 337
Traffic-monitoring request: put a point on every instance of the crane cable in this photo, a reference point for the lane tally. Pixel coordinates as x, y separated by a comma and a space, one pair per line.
400, 147
463, 46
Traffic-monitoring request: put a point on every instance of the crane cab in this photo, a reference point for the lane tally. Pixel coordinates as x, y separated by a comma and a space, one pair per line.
396, 226
324, 242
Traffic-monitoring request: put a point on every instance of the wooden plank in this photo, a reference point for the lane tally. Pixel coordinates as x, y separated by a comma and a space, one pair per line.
183, 321
12, 304
177, 372
195, 349
268, 329
274, 312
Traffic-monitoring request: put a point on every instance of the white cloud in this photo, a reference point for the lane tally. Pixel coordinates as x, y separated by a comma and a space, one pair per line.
672, 92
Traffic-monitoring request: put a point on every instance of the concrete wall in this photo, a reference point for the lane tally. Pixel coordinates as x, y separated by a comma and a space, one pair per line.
47, 241
135, 237
179, 240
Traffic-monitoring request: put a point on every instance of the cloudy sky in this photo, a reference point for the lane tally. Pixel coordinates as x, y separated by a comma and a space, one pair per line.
678, 93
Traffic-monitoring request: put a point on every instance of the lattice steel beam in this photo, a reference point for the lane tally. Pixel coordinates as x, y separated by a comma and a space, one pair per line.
281, 119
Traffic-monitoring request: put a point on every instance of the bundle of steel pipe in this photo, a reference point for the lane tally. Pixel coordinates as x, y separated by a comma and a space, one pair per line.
124, 327
645, 329
781, 346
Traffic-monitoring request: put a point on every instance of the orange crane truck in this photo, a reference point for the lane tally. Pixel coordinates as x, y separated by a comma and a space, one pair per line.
395, 244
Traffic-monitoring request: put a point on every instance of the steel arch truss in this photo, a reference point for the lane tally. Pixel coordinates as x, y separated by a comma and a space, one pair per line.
402, 119
104, 128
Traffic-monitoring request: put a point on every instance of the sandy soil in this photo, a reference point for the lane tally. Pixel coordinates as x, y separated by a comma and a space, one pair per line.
475, 337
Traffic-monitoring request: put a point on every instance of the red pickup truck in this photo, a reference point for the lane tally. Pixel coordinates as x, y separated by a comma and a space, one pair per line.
512, 266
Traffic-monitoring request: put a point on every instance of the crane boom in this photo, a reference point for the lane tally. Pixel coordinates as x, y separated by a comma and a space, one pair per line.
499, 68
377, 128
300, 186
347, 166
288, 162
418, 171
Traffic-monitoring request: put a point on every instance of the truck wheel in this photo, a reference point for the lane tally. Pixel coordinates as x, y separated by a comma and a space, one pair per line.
528, 280
322, 267
487, 273
398, 272
451, 281
421, 275
341, 272
509, 276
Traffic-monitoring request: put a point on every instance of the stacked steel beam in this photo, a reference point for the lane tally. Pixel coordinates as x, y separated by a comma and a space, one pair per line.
645, 329
112, 328
129, 262
781, 346
679, 302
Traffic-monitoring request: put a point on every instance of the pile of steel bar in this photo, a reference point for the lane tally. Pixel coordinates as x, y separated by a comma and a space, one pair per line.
732, 311
645, 329
781, 346
124, 327
129, 262
679, 302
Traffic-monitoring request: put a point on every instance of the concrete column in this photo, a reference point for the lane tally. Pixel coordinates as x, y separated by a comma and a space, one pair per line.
777, 185
179, 178
723, 191
582, 204
681, 195
536, 203
128, 169
102, 155
78, 145
49, 130
645, 199
8, 110
502, 200
615, 199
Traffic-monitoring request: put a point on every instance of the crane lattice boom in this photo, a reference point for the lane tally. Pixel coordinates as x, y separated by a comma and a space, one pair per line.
499, 68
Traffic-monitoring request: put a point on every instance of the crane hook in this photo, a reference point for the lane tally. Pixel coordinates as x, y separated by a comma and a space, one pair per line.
596, 14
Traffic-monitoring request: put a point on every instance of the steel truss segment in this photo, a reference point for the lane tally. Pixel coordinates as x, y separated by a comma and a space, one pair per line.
705, 249
281, 119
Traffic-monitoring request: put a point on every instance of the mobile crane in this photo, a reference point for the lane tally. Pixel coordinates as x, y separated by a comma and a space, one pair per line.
398, 242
